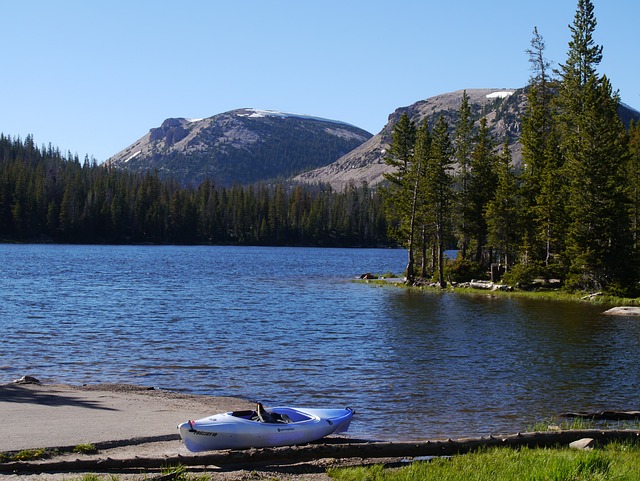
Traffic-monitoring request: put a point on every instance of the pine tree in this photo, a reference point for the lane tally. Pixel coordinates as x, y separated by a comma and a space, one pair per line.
540, 177
502, 211
634, 182
439, 190
399, 195
549, 213
421, 206
482, 186
584, 54
598, 246
413, 184
463, 146
598, 241
401, 149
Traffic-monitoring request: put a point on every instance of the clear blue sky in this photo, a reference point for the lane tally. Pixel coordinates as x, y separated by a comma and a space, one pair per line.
93, 76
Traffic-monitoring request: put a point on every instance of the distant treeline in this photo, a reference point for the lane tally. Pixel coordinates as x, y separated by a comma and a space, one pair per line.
46, 196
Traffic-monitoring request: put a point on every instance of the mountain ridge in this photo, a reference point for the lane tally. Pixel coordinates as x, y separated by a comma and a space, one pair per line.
503, 108
240, 146
366, 162
250, 145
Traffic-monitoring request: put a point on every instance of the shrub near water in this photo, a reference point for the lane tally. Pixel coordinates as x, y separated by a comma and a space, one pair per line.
462, 270
619, 462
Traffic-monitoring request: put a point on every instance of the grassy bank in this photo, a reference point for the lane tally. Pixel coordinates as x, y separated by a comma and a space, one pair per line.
614, 461
553, 295
611, 461
540, 294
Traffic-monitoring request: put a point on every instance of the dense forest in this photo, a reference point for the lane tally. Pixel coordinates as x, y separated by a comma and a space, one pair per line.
48, 197
570, 212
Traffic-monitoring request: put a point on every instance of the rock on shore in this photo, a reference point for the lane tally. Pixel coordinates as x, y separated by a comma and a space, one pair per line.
623, 311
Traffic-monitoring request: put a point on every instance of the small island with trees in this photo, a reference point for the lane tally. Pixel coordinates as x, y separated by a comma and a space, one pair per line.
569, 212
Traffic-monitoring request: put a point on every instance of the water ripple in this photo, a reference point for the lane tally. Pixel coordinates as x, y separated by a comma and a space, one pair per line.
286, 326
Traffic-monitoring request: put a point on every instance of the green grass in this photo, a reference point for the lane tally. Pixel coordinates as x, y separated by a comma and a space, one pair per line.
179, 473
541, 294
24, 455
573, 424
41, 453
85, 449
564, 425
614, 462
98, 477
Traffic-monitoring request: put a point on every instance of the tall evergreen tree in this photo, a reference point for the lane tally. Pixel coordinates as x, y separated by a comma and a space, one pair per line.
549, 213
400, 199
541, 162
502, 211
584, 54
417, 173
463, 147
634, 182
598, 241
598, 245
413, 184
482, 187
401, 149
438, 190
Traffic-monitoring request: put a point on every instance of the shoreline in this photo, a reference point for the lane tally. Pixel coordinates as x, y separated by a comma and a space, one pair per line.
134, 432
128, 425
624, 306
38, 415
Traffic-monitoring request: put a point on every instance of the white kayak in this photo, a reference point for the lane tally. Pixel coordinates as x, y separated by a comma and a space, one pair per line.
278, 426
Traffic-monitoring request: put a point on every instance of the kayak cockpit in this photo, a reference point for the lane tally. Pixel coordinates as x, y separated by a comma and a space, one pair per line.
282, 415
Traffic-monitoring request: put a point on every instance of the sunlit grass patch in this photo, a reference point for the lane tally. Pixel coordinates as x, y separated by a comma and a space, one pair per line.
24, 455
616, 461
85, 449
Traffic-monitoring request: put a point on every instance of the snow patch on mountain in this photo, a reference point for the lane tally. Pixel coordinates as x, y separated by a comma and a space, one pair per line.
258, 113
503, 94
132, 156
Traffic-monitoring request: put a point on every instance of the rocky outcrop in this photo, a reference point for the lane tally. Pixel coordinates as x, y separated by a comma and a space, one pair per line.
170, 132
623, 311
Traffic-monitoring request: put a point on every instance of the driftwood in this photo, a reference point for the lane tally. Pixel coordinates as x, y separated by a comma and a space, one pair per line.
297, 454
604, 415
588, 297
481, 284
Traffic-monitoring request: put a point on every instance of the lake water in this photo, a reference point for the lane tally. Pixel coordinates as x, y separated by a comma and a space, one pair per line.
288, 326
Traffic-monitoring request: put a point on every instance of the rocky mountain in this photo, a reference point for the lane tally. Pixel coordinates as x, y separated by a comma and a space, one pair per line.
502, 107
241, 146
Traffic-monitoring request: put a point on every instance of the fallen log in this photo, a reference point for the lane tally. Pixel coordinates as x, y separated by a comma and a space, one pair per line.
310, 452
481, 284
604, 415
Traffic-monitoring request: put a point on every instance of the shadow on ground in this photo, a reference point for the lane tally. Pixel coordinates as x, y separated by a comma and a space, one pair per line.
16, 393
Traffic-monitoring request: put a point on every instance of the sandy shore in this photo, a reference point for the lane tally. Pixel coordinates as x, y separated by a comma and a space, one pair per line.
45, 416
124, 422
